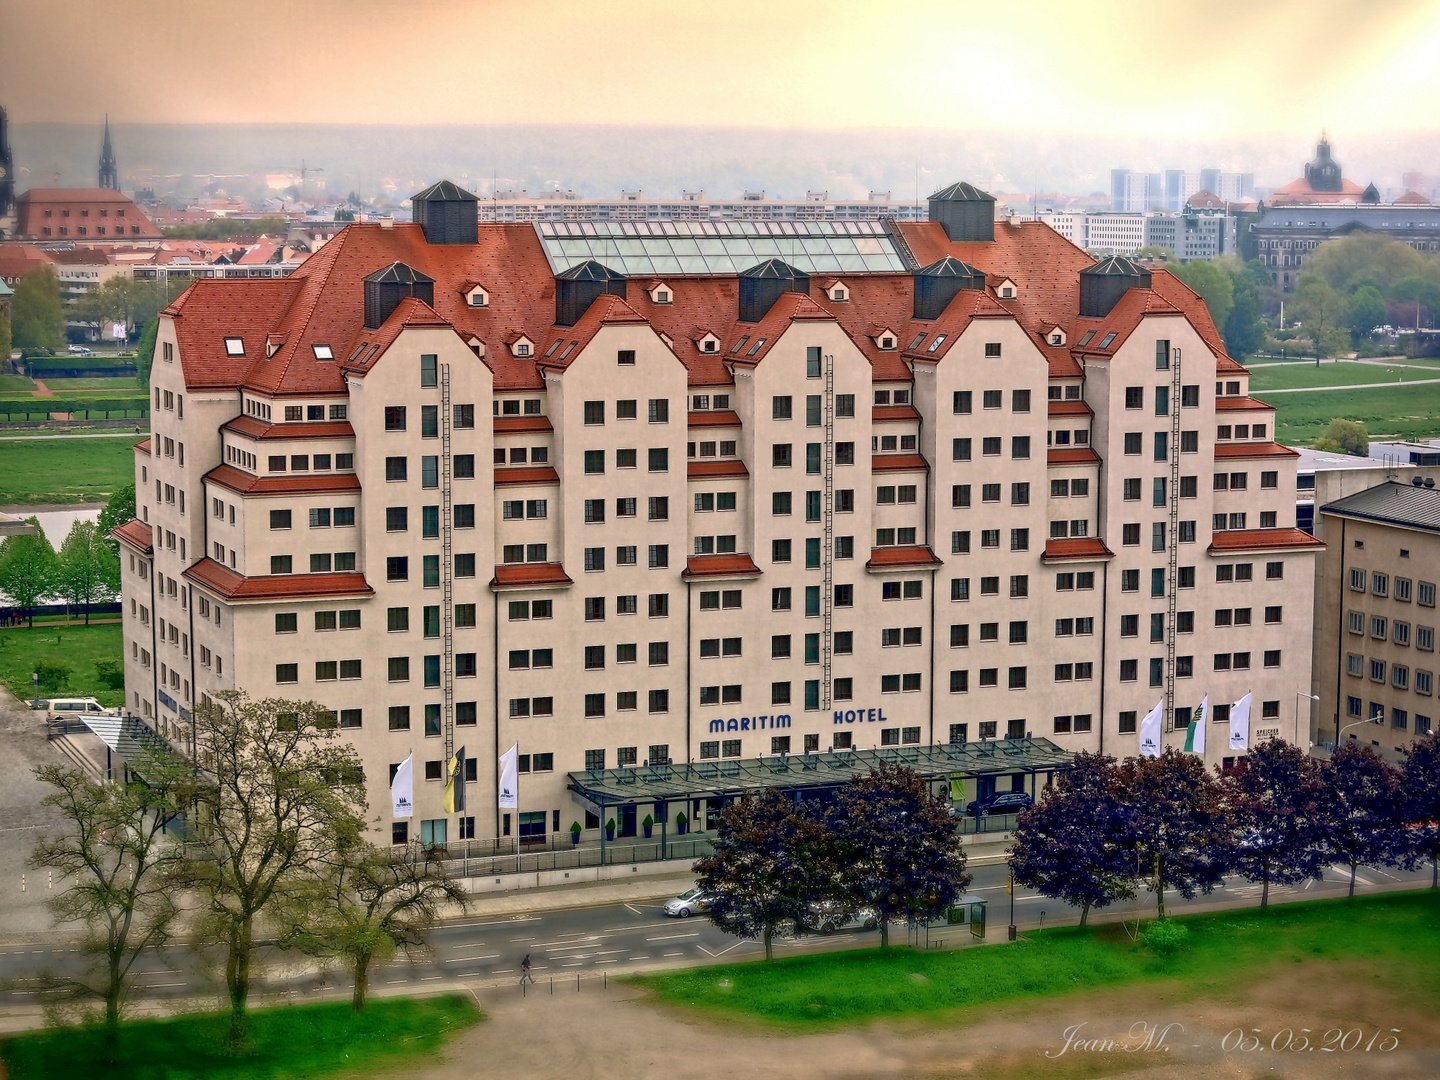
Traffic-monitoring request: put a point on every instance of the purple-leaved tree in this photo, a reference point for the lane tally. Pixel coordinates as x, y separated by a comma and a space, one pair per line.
1279, 831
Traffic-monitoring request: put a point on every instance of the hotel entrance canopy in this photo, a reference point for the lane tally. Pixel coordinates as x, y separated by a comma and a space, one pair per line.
813, 772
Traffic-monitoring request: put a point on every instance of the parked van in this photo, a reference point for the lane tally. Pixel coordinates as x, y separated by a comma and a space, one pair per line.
74, 708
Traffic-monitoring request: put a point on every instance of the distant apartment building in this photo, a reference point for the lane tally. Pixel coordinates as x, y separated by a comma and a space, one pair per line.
1139, 192
1194, 234
707, 500
633, 206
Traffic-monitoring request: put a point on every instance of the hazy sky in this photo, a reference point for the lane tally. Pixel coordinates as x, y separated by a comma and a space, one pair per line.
1139, 68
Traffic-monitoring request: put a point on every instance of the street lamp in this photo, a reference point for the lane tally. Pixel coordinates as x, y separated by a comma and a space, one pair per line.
1298, 695
1378, 718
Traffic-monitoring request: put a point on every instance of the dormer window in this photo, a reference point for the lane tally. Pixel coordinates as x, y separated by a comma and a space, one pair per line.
1056, 336
708, 344
522, 348
323, 352
886, 341
477, 297
839, 294
661, 294
234, 346
1006, 290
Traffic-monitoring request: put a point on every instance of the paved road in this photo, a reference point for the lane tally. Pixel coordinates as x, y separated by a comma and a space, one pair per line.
1352, 386
615, 938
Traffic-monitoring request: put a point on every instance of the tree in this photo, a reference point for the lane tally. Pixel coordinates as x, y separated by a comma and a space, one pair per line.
116, 859
368, 904
279, 788
1213, 284
1367, 311
1362, 821
145, 352
1176, 825
1380, 258
88, 571
36, 312
6, 340
1276, 802
1321, 311
896, 846
1345, 437
1420, 780
767, 866
27, 568
119, 510
1422, 292
1066, 844
1244, 331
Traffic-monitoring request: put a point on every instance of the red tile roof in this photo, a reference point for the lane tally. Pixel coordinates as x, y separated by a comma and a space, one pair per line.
529, 575
1079, 455
143, 446
227, 476
84, 207
259, 429
901, 558
894, 414
227, 584
705, 566
717, 418
522, 425
716, 470
1236, 404
530, 474
1069, 408
1231, 451
135, 533
1225, 543
899, 463
1086, 550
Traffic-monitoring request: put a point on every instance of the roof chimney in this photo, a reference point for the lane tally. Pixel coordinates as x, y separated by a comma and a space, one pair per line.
385, 288
1102, 285
966, 212
762, 285
448, 214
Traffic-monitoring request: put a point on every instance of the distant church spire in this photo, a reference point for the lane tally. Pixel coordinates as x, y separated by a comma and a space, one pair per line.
7, 180
109, 174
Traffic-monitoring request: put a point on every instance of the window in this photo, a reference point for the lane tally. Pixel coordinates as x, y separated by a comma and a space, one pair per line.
962, 402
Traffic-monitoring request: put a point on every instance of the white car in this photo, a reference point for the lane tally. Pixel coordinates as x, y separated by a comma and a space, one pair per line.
73, 708
828, 918
691, 902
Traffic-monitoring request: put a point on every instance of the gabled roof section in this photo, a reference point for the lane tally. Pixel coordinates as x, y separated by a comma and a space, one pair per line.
590, 270
762, 336
960, 192
774, 268
227, 584
1393, 503
444, 191
135, 533
209, 311
399, 273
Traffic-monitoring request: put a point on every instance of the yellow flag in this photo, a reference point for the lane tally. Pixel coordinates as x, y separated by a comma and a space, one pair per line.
455, 783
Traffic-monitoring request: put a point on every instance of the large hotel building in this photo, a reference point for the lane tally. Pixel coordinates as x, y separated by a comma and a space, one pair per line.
630, 493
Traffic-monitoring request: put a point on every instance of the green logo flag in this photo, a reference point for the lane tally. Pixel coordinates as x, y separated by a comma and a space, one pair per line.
1195, 736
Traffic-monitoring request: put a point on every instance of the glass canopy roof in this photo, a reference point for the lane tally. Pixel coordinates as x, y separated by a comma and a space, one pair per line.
671, 248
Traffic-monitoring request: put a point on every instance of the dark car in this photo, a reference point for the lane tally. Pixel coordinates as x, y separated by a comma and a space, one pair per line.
1004, 802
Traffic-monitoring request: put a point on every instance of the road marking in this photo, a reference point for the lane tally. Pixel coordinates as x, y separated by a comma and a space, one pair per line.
637, 926
722, 952
498, 922
472, 959
430, 978
673, 937
635, 909
158, 986
575, 964
392, 982
616, 961
522, 939
642, 956
680, 953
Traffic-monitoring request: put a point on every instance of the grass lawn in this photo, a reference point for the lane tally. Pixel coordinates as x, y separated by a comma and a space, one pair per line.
123, 382
1398, 935
288, 1043
39, 471
79, 646
1334, 373
16, 384
1404, 412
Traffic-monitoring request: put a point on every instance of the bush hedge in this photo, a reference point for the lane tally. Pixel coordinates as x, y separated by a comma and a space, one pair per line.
77, 405
60, 366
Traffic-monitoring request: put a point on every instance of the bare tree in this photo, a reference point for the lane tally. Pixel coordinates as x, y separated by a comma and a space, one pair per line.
117, 858
371, 903
278, 789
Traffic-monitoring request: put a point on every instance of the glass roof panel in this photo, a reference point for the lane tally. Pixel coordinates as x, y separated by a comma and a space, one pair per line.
666, 264
692, 264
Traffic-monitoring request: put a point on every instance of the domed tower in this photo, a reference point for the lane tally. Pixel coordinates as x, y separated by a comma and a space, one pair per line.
1323, 173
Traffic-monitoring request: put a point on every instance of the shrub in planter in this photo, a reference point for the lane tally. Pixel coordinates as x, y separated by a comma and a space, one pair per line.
575, 832
610, 829
649, 825
682, 823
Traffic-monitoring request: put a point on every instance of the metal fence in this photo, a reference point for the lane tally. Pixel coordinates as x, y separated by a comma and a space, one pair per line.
530, 859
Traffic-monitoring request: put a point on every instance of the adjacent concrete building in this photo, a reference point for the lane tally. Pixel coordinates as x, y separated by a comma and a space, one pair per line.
638, 497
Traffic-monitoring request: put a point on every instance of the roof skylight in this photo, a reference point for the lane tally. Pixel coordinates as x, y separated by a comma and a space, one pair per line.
234, 346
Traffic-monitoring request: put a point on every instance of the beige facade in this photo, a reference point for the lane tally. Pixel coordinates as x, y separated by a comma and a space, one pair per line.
612, 552
1375, 606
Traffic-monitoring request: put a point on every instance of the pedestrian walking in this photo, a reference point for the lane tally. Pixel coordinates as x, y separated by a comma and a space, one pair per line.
525, 975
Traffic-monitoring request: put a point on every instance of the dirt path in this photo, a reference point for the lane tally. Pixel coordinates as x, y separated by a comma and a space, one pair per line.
620, 1034
41, 390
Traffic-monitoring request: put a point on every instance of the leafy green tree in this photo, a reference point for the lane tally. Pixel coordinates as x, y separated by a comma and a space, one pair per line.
1420, 780
344, 214
1278, 818
114, 860
88, 571
119, 510
36, 311
145, 352
1322, 311
768, 864
1383, 259
1244, 329
1213, 284
28, 568
1363, 809
278, 789
1176, 824
1344, 437
1420, 291
1367, 311
368, 903
223, 228
6, 340
1066, 845
897, 847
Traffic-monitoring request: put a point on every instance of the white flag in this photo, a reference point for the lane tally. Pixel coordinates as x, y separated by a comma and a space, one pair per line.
1195, 737
1150, 730
510, 778
1240, 724
402, 789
